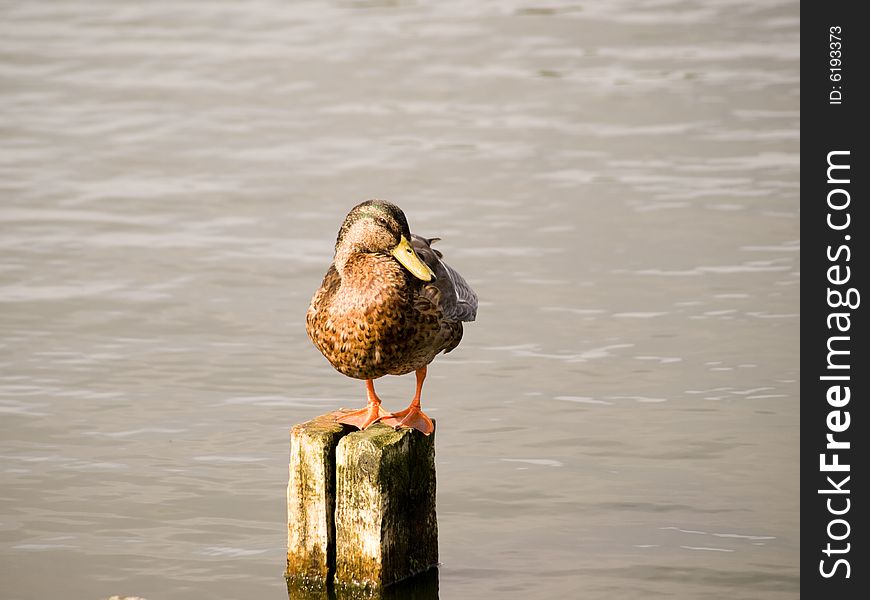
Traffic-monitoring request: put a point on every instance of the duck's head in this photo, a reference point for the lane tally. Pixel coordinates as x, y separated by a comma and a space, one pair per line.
379, 227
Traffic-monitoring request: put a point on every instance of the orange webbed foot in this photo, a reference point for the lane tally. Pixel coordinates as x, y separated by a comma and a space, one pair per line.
410, 417
413, 416
364, 417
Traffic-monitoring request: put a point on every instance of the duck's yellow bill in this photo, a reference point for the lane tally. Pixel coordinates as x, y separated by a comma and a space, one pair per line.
405, 254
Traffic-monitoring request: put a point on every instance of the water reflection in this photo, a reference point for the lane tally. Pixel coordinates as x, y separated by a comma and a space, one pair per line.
420, 587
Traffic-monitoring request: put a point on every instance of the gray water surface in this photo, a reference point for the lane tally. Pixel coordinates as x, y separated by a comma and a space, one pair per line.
618, 180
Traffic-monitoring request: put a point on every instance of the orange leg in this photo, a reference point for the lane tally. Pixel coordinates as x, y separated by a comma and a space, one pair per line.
364, 417
413, 416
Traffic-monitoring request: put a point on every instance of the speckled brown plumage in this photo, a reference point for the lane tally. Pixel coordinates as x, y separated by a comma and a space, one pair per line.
371, 316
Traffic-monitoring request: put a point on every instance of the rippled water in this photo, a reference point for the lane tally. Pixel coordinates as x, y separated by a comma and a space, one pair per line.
618, 180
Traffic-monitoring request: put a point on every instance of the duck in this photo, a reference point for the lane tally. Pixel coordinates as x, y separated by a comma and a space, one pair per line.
388, 305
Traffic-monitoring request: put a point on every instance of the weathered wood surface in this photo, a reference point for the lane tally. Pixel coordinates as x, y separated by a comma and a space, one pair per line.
311, 500
386, 528
360, 506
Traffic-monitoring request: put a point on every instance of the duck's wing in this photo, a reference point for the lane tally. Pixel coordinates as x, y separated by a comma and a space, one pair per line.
455, 298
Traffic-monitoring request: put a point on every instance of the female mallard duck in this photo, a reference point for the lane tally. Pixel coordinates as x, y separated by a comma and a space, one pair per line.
388, 305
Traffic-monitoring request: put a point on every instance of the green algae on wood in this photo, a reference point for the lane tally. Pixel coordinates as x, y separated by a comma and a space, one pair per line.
311, 501
386, 527
360, 509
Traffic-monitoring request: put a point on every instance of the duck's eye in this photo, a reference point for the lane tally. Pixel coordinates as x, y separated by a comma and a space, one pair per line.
382, 221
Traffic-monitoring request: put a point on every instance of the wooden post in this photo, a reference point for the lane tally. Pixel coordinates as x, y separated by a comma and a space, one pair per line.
360, 506
311, 502
386, 529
